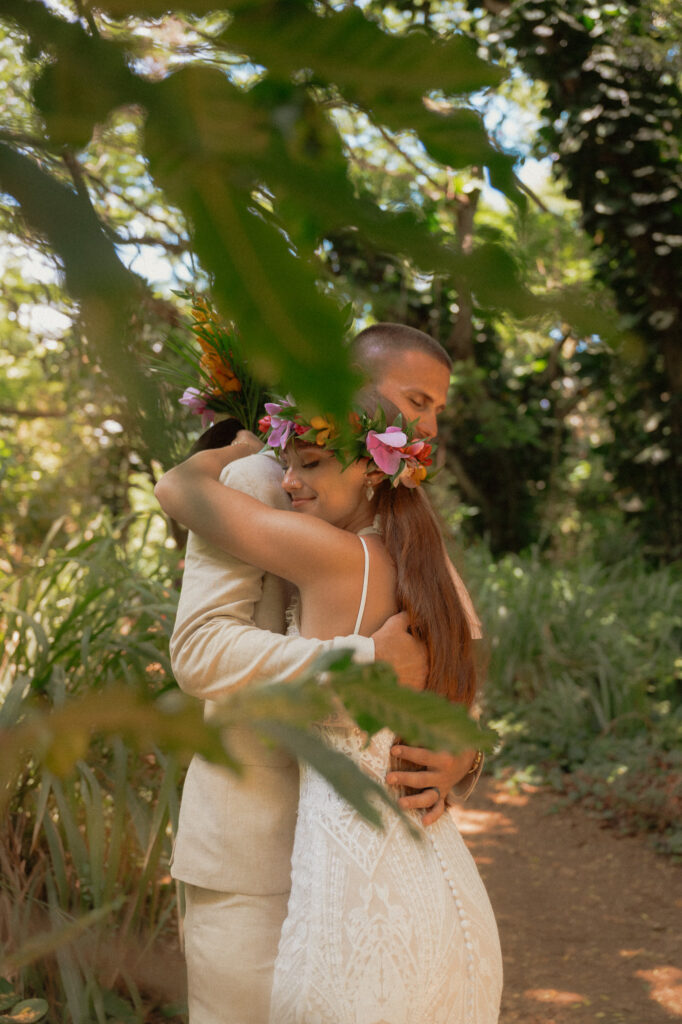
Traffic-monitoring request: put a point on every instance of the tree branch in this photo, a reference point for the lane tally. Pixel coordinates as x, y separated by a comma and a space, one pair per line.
521, 185
387, 137
174, 247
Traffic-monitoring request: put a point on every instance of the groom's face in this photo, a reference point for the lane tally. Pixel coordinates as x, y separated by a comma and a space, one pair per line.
418, 385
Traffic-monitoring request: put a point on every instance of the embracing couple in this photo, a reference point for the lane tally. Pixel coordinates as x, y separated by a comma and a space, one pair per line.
297, 910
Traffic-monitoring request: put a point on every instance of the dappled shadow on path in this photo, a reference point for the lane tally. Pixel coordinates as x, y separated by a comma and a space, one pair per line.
590, 922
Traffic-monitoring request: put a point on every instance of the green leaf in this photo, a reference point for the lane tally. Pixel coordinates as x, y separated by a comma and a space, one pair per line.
335, 660
118, 1009
9, 998
71, 111
375, 701
59, 738
298, 704
355, 54
95, 276
293, 335
344, 775
27, 1012
390, 80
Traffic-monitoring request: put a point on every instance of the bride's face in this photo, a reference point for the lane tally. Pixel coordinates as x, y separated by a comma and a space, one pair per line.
319, 486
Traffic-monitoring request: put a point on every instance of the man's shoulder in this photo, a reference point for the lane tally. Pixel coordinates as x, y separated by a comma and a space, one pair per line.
258, 475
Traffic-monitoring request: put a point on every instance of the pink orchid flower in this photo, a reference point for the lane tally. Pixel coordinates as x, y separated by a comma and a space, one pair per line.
196, 403
281, 428
385, 448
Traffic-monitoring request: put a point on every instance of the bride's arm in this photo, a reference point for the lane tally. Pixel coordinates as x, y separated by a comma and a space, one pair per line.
294, 546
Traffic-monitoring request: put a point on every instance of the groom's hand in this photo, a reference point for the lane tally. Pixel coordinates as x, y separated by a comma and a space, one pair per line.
404, 653
435, 775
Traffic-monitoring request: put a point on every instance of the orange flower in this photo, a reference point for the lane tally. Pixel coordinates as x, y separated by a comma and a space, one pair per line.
324, 427
221, 373
201, 311
411, 475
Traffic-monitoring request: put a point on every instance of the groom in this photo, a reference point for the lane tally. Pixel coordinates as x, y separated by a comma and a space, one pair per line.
235, 836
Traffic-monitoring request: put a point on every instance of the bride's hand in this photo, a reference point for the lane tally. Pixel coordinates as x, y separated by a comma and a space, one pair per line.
249, 440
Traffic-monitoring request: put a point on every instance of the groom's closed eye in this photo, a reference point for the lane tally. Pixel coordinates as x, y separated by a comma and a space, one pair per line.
419, 402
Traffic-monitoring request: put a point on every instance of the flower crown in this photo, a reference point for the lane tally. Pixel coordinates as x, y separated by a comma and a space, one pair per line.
393, 450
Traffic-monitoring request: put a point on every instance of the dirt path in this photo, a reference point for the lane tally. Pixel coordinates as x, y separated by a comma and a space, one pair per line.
590, 923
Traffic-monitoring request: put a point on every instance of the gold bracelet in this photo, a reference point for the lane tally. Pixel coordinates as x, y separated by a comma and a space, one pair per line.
476, 763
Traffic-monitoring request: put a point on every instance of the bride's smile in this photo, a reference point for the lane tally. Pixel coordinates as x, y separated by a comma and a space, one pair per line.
318, 486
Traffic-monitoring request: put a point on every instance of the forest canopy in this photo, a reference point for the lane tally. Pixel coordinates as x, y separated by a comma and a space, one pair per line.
252, 152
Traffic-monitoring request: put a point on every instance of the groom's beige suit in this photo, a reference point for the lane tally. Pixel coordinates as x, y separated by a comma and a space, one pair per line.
235, 836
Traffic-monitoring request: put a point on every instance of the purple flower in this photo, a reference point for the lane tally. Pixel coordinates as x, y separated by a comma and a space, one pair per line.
196, 403
280, 428
385, 448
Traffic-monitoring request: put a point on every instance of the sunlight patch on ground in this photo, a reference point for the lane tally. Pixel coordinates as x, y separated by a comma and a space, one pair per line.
514, 796
485, 821
628, 954
555, 996
666, 987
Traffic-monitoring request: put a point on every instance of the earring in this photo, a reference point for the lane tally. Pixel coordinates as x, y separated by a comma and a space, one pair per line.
369, 492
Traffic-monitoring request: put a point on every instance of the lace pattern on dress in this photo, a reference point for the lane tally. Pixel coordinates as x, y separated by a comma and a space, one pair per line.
382, 928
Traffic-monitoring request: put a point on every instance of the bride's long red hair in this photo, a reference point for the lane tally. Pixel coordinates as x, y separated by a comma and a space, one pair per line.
425, 590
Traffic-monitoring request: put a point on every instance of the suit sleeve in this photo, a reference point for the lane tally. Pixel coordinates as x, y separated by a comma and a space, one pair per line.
217, 643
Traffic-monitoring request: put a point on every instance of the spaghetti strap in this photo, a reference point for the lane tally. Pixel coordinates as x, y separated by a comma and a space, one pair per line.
363, 599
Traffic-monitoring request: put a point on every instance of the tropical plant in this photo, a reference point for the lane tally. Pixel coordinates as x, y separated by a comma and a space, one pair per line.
93, 736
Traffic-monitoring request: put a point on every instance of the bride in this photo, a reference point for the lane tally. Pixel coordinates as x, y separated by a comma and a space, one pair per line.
381, 928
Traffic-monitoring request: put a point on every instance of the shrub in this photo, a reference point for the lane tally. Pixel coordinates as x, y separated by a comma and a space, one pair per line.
584, 680
87, 907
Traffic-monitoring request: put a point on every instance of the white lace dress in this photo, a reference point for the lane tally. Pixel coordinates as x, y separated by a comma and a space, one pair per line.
381, 928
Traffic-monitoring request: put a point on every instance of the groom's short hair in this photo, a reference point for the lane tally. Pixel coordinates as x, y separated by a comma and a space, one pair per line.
379, 344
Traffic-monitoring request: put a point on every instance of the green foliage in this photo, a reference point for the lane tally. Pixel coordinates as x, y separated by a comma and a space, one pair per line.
585, 681
288, 172
218, 150
93, 735
68, 625
612, 117
85, 846
370, 695
634, 783
28, 1011
12, 1008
